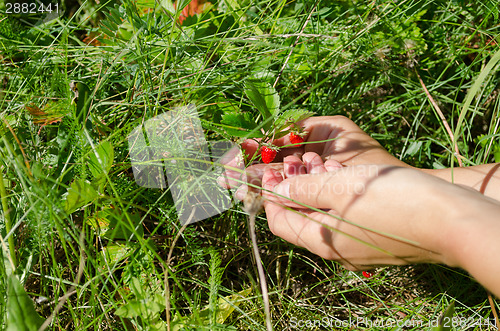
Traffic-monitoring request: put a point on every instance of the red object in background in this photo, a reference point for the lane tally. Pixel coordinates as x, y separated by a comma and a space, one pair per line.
367, 274
194, 7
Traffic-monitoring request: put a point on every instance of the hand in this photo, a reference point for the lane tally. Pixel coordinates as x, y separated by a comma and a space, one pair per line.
366, 215
347, 144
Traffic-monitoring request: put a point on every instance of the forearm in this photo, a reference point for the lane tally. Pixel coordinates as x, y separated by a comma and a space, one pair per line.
472, 240
483, 178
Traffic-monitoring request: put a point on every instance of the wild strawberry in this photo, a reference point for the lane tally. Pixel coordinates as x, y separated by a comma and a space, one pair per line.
367, 274
296, 138
268, 153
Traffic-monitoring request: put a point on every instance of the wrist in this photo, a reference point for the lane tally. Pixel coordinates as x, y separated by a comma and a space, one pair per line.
448, 216
470, 228
474, 244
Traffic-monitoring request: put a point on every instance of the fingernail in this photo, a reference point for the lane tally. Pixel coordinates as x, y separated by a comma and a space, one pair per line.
283, 189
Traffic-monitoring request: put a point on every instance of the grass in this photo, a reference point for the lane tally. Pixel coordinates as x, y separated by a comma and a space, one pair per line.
90, 246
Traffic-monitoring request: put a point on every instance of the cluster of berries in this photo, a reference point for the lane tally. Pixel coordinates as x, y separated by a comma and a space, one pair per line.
269, 151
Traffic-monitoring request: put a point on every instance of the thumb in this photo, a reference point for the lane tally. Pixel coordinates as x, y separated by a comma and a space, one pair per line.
332, 190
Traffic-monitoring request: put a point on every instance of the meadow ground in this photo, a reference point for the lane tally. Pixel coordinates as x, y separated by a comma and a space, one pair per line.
90, 247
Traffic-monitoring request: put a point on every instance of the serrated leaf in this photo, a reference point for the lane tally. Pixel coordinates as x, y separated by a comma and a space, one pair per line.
140, 308
80, 193
101, 159
265, 98
292, 116
240, 125
120, 227
239, 120
114, 253
145, 305
21, 313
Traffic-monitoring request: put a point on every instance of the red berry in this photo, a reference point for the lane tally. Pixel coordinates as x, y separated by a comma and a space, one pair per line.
296, 139
268, 154
367, 274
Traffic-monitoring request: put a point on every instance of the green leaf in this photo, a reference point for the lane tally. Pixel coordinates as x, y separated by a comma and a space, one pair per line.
226, 306
240, 125
21, 313
446, 320
239, 120
114, 253
490, 68
496, 155
414, 148
101, 159
291, 116
168, 5
115, 16
83, 97
119, 226
80, 193
265, 98
145, 305
145, 308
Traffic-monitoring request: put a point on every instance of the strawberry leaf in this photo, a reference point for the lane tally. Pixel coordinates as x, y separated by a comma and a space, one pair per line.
265, 98
241, 125
291, 116
101, 159
80, 193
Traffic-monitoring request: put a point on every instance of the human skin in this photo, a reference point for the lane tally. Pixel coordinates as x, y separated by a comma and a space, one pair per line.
466, 237
350, 145
397, 215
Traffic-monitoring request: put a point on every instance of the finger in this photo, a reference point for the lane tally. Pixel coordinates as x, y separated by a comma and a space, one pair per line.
241, 192
233, 163
343, 134
270, 180
303, 228
319, 129
330, 190
314, 163
252, 178
293, 166
250, 147
332, 165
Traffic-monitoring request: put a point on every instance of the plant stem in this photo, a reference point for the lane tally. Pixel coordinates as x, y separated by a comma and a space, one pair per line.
8, 223
252, 205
